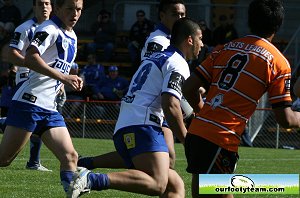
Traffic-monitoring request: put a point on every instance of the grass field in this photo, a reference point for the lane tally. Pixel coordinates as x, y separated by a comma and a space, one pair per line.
17, 182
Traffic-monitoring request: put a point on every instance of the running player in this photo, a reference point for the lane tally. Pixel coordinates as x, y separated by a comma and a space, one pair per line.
237, 75
49, 58
16, 55
154, 92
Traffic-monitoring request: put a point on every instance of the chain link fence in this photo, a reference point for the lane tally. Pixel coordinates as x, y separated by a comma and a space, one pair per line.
97, 119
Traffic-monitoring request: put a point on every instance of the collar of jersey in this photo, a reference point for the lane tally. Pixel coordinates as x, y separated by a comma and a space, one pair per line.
164, 29
34, 19
172, 48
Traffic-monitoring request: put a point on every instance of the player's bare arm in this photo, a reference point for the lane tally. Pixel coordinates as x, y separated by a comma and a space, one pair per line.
191, 92
35, 62
173, 114
286, 117
14, 56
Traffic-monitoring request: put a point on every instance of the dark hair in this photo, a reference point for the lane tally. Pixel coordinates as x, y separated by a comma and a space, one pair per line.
140, 12
183, 28
164, 4
34, 2
265, 17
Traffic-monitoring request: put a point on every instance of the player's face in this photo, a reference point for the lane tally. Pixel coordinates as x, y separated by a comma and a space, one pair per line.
172, 14
69, 13
197, 45
43, 10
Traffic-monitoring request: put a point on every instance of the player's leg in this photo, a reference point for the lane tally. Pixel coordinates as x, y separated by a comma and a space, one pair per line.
59, 142
175, 187
170, 142
143, 148
212, 160
34, 162
13, 141
107, 160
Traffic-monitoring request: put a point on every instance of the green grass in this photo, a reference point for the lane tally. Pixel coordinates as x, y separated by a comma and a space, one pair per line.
17, 182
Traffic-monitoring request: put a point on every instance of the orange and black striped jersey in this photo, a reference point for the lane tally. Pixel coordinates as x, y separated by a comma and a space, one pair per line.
238, 74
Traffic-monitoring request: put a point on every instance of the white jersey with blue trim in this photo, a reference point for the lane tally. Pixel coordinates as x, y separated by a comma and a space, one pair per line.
58, 48
20, 41
157, 41
163, 72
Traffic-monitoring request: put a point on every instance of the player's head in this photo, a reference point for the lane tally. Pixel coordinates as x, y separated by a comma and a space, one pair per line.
68, 11
265, 17
187, 31
42, 9
170, 11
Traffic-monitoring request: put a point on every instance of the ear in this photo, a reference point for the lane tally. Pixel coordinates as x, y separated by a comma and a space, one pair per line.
190, 40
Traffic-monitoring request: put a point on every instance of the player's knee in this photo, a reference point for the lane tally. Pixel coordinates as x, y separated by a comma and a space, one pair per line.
161, 186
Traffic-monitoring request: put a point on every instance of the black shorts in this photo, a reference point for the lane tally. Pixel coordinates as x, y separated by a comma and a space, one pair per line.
205, 157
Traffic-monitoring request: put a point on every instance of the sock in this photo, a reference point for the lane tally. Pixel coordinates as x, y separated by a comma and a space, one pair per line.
86, 162
35, 147
98, 181
66, 178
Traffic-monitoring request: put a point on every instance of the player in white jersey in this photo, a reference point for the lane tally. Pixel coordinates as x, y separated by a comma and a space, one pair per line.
16, 55
154, 93
49, 58
169, 12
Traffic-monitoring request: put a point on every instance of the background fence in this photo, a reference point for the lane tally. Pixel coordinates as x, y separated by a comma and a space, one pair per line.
96, 119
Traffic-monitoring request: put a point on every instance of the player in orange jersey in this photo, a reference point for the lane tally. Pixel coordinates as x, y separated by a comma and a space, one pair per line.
236, 76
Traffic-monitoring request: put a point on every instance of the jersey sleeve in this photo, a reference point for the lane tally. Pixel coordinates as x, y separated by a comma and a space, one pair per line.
174, 76
280, 85
19, 38
44, 37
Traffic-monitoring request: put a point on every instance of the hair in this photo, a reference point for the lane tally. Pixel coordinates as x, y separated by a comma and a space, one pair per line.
265, 17
34, 2
140, 12
164, 4
183, 28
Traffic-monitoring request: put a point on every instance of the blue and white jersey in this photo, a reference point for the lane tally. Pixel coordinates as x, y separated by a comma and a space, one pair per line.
20, 41
157, 41
58, 48
163, 72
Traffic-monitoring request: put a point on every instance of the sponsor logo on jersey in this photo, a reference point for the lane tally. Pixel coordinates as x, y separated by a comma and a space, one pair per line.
16, 38
65, 43
153, 47
287, 84
29, 97
176, 81
39, 38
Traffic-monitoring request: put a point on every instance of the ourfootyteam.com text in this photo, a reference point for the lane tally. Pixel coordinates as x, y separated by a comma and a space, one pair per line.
248, 189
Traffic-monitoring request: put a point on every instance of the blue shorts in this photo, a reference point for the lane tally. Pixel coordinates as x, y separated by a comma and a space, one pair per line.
134, 140
32, 118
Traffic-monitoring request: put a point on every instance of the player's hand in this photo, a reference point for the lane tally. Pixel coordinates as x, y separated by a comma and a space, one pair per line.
74, 81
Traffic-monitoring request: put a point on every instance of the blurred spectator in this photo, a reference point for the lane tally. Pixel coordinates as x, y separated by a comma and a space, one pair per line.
104, 31
112, 87
91, 74
206, 33
206, 49
225, 32
10, 18
7, 90
72, 95
139, 31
